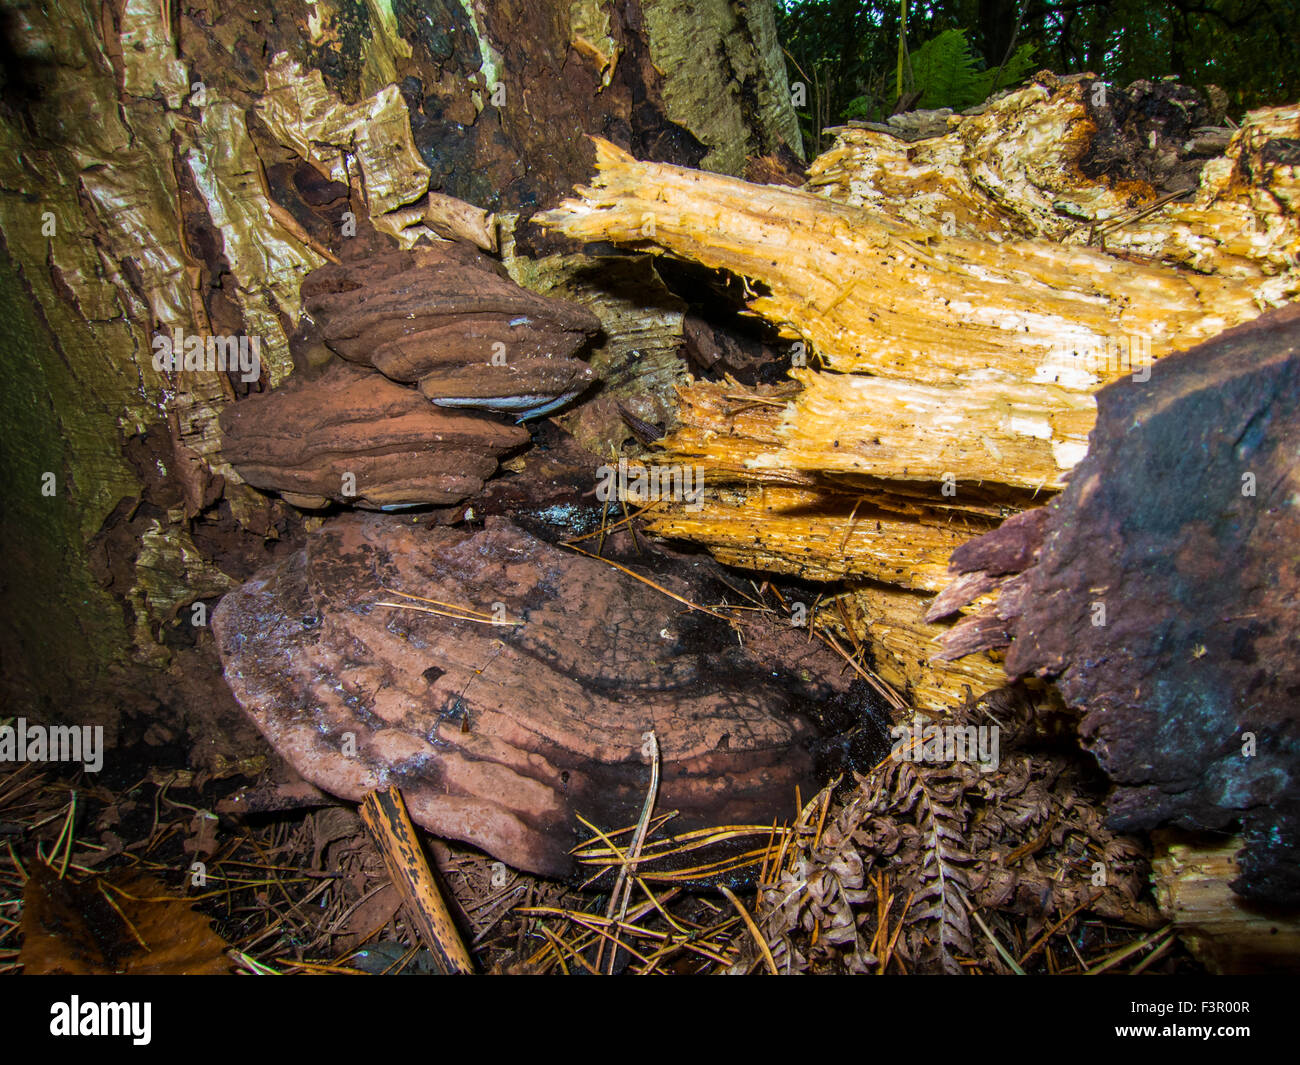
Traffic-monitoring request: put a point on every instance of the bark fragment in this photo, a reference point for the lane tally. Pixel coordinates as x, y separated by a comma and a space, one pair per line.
1162, 597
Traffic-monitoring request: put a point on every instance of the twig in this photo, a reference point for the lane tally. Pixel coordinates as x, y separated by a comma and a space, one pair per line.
652, 584
384, 814
753, 929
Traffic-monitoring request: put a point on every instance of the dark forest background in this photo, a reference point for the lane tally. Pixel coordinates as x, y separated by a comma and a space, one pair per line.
956, 52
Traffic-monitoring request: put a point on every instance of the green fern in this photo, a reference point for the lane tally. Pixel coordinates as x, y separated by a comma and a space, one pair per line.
944, 71
947, 72
1015, 70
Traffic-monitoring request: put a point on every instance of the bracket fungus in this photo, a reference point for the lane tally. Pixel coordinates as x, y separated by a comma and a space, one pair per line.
443, 318
506, 686
355, 437
448, 319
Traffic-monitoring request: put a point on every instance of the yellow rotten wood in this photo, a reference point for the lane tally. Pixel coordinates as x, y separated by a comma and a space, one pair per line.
990, 339
878, 296
981, 431
954, 383
726, 427
902, 642
821, 537
1013, 172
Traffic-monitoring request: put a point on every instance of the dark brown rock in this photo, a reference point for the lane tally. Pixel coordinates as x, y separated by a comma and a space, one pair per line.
501, 735
304, 439
1162, 595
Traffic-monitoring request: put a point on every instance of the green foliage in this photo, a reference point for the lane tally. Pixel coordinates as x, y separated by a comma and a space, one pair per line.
845, 51
1018, 66
948, 75
861, 107
943, 69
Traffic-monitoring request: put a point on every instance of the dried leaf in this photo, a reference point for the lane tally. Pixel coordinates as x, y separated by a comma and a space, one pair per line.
123, 923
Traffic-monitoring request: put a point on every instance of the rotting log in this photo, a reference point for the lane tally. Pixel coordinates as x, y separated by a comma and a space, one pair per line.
1159, 590
1224, 932
1001, 340
1031, 165
950, 378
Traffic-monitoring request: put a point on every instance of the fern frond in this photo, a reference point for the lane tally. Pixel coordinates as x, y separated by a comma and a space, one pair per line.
948, 73
945, 71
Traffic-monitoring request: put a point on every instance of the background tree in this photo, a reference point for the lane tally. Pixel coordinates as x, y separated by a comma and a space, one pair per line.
845, 50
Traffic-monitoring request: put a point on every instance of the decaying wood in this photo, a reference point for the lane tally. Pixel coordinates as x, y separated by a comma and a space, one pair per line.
457, 220
950, 378
1225, 933
1005, 341
505, 686
1159, 592
385, 816
896, 300
1018, 171
891, 621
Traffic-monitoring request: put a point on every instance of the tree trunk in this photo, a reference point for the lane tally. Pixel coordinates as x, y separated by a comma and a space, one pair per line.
174, 171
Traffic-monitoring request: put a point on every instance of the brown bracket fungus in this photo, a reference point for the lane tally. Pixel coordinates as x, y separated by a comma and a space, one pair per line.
443, 318
446, 318
355, 437
516, 694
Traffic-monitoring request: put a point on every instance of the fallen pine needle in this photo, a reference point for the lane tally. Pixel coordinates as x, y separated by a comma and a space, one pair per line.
646, 580
753, 928
1002, 951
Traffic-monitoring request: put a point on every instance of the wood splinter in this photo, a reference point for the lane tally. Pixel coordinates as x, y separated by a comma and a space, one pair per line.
385, 816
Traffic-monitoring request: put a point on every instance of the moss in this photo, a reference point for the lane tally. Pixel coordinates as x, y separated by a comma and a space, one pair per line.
60, 630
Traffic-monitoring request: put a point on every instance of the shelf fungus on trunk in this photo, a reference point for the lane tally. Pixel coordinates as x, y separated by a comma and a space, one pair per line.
447, 319
1159, 590
505, 716
444, 319
355, 437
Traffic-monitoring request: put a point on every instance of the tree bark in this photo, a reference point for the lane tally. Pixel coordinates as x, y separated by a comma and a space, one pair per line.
181, 168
